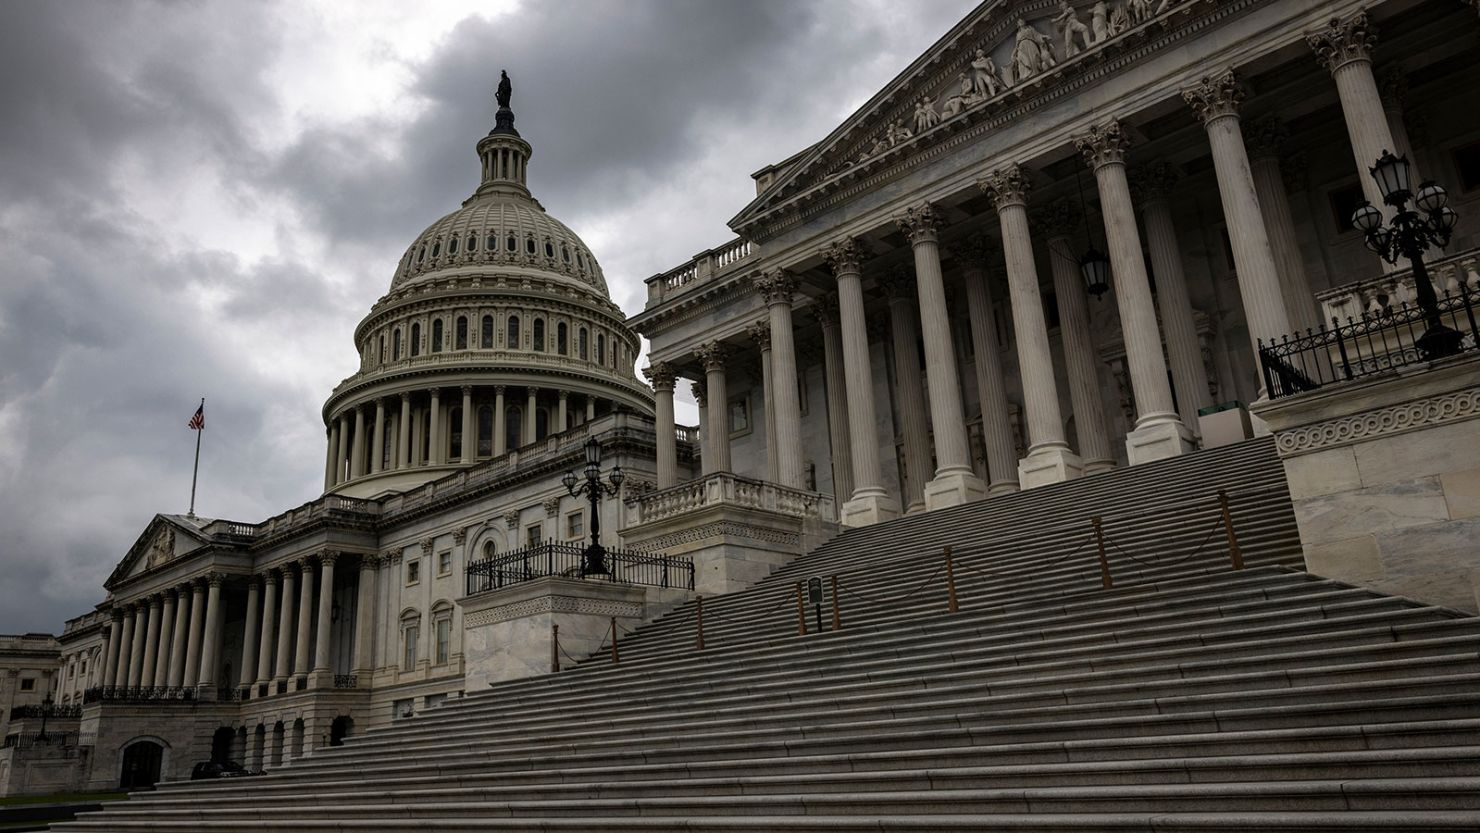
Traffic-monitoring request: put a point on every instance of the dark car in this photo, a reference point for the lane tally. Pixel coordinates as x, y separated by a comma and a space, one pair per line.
220, 769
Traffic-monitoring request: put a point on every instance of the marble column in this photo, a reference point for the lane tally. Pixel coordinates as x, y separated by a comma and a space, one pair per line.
377, 440
500, 424
910, 396
760, 335
211, 643
332, 433
341, 459
365, 616
561, 416
1002, 463
269, 622
136, 649
115, 635
714, 355
285, 626
777, 288
469, 431
1049, 459
1158, 433
175, 675
825, 311
326, 609
1266, 138
1344, 48
662, 378
125, 646
531, 415
357, 448
436, 455
418, 436
151, 642
194, 636
250, 633
403, 434
870, 502
166, 629
1216, 100
701, 401
1154, 183
955, 481
301, 657
590, 408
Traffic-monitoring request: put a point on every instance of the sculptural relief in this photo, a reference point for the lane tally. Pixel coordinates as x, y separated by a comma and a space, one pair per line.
1120, 20
1070, 25
1141, 10
985, 80
925, 115
898, 133
1099, 21
1032, 53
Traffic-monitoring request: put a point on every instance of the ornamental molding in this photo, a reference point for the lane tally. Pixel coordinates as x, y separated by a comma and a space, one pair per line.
1155, 180
824, 310
1344, 41
552, 604
898, 283
698, 389
552, 507
1216, 96
725, 529
511, 521
845, 256
1395, 419
760, 334
920, 223
1006, 187
776, 286
713, 354
1265, 137
1104, 144
661, 376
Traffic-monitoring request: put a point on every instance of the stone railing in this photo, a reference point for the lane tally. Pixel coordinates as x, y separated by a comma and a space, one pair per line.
688, 434
702, 268
1382, 294
725, 489
458, 359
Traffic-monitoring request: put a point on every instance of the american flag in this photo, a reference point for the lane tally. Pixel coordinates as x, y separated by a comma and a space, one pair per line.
198, 422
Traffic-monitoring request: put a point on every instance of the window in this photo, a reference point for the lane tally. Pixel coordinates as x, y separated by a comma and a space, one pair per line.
485, 431
410, 637
512, 339
444, 563
601, 348
396, 344
538, 331
462, 333
413, 572
416, 339
28, 684
485, 333
581, 344
444, 638
549, 250
472, 242
529, 245
562, 344
491, 244
575, 525
381, 360
564, 253
1467, 165
455, 437
422, 254
739, 415
437, 336
436, 248
1344, 202
489, 549
402, 708
533, 534
513, 244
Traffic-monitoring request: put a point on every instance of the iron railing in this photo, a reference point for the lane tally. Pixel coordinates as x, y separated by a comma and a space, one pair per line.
38, 739
556, 559
346, 681
139, 694
1377, 342
52, 712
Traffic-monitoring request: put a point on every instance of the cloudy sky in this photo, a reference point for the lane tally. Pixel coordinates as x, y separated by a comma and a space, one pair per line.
203, 198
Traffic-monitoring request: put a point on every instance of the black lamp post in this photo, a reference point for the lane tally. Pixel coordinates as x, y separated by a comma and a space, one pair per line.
45, 711
1407, 235
594, 561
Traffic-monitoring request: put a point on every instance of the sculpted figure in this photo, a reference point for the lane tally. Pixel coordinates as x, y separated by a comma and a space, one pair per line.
1099, 21
1119, 20
985, 81
1033, 52
1141, 10
925, 115
505, 90
1070, 25
958, 102
898, 133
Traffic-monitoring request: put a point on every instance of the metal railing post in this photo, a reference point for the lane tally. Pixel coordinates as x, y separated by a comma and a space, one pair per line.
615, 657
837, 618
1234, 553
1105, 578
801, 612
1346, 363
554, 648
699, 642
951, 605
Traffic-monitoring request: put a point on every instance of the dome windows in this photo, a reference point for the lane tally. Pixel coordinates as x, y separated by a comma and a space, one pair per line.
421, 256
472, 242
582, 345
565, 253
549, 250
562, 343
396, 344
512, 342
416, 339
601, 348
538, 331
529, 247
490, 244
513, 244
452, 246
485, 333
462, 333
437, 336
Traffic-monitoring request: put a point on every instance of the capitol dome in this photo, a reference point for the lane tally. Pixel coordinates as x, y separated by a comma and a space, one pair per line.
497, 332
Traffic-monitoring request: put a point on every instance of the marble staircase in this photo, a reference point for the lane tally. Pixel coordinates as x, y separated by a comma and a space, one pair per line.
1188, 696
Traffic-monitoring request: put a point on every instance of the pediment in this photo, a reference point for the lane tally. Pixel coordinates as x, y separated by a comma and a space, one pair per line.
164, 540
998, 57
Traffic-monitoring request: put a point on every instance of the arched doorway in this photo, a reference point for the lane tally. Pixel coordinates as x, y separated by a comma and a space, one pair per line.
222, 743
141, 763
342, 727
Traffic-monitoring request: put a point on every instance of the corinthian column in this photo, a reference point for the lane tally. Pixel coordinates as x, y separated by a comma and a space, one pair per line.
403, 434
914, 425
826, 313
301, 656
357, 450
1154, 184
365, 615
377, 442
955, 482
1080, 360
285, 628
469, 438
870, 503
329, 477
991, 387
250, 636
776, 288
193, 638
342, 455
1049, 459
500, 424
531, 424
1158, 433
437, 455
269, 622
714, 355
166, 631
211, 642
1266, 138
115, 636
701, 402
326, 608
662, 377
151, 642
136, 655
1344, 48
760, 335
1216, 100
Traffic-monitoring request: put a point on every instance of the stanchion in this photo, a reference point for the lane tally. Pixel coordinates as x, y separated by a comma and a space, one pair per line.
1104, 562
951, 605
615, 658
699, 644
837, 616
801, 612
1235, 554
554, 649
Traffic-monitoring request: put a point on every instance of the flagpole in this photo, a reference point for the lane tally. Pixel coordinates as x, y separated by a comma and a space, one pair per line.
195, 472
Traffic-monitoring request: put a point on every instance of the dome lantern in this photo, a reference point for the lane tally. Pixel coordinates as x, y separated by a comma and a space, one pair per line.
503, 153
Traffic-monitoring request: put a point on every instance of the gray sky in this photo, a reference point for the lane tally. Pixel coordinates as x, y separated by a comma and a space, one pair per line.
202, 199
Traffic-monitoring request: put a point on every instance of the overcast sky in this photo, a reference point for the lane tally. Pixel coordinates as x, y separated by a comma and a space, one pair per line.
203, 199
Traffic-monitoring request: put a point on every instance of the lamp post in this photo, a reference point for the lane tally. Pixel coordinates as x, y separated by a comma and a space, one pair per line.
45, 712
1407, 234
594, 559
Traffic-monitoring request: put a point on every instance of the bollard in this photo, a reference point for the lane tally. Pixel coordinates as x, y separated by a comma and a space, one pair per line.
554, 649
700, 644
801, 612
1235, 554
837, 617
951, 605
1104, 562
615, 659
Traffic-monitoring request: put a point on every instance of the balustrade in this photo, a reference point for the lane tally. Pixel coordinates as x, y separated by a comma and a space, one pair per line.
702, 268
1391, 291
724, 488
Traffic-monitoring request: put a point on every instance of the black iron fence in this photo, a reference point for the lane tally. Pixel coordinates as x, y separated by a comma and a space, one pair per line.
38, 739
139, 694
1374, 343
557, 559
52, 712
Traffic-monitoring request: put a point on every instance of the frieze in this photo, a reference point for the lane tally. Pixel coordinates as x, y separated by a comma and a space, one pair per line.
1395, 419
730, 529
552, 604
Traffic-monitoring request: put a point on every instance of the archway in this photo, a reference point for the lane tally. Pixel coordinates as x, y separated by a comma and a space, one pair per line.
342, 727
141, 764
279, 737
221, 744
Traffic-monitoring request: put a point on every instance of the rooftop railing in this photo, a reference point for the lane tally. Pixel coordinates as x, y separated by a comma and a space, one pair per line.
724, 488
702, 268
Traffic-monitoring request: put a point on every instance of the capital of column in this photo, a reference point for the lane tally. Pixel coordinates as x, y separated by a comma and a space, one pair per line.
467, 390
760, 333
369, 562
1265, 137
511, 520
776, 286
406, 397
1060, 219
155, 601
714, 355
272, 577
426, 545
435, 393
1217, 96
920, 223
1343, 41
329, 556
1392, 86
699, 389
897, 283
215, 579
661, 376
498, 390
845, 256
1006, 186
459, 536
1154, 181
825, 311
1104, 144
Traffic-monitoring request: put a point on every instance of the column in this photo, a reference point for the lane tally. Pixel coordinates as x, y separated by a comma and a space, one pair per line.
332, 432
211, 643
436, 454
1217, 99
377, 437
777, 288
151, 642
251, 637
125, 647
826, 313
418, 437
179, 639
1344, 48
1002, 463
115, 635
500, 425
717, 457
955, 482
662, 378
760, 335
365, 616
469, 432
193, 638
285, 627
269, 621
403, 434
357, 447
326, 608
701, 400
1158, 432
136, 648
590, 408
1266, 138
1154, 184
531, 406
1049, 459
870, 503
914, 426
342, 458
561, 419
166, 627
301, 657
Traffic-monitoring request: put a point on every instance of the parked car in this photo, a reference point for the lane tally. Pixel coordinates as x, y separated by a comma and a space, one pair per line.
220, 769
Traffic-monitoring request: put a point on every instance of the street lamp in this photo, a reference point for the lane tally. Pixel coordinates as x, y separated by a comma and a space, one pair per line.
1407, 235
594, 559
45, 711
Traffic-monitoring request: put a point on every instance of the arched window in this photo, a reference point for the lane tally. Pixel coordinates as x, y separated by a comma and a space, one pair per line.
452, 246
562, 344
491, 243
549, 250
582, 345
512, 333
472, 242
455, 437
422, 254
538, 332
490, 549
416, 339
565, 253
485, 333
513, 244
382, 350
601, 348
410, 639
514, 427
580, 260
436, 249
485, 431
529, 245
437, 335
462, 333
396, 344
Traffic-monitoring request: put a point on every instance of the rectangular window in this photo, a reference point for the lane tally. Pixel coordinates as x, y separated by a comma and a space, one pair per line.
533, 534
413, 572
402, 708
412, 635
28, 684
1344, 202
739, 415
444, 563
444, 640
575, 525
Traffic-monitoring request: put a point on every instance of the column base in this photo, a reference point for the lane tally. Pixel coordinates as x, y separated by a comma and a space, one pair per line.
1098, 466
1047, 465
1002, 487
867, 508
1158, 437
953, 488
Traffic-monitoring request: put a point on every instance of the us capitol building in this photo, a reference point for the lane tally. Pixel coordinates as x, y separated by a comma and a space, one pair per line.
1048, 249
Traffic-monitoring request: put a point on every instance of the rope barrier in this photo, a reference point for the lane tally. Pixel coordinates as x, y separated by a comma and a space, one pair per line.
906, 597
1160, 560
